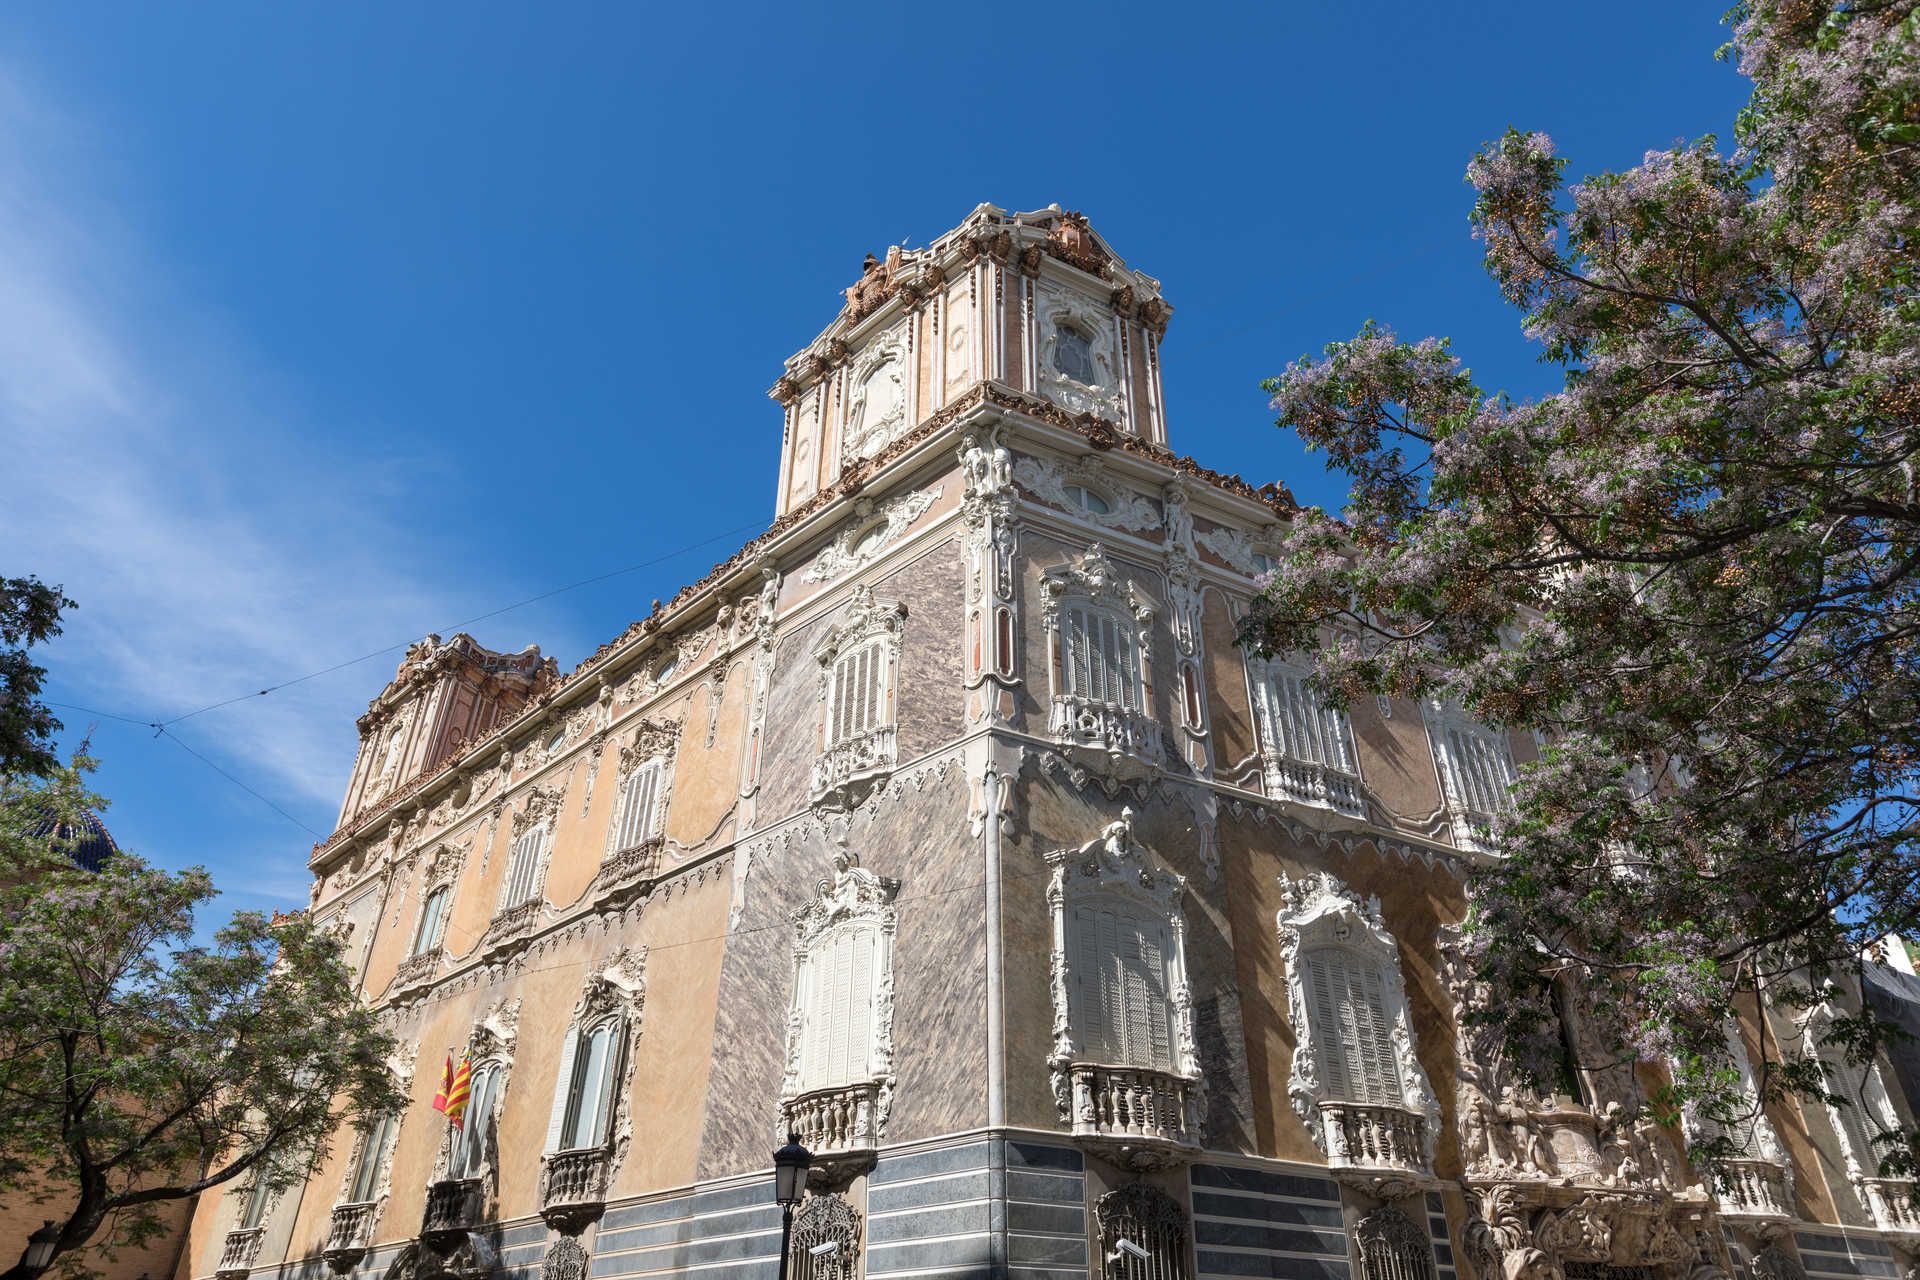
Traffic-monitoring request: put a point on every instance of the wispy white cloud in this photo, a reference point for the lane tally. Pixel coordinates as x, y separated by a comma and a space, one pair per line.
176, 486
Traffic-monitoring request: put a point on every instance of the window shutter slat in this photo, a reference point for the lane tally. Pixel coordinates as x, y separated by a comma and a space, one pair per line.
813, 1018
838, 1013
860, 1011
562, 1089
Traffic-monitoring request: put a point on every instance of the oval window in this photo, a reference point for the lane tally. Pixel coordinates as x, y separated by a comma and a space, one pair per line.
1087, 500
1073, 354
870, 541
664, 672
1262, 562
559, 736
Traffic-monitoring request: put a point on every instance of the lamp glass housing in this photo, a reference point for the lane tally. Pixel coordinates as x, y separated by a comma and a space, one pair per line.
790, 1164
40, 1247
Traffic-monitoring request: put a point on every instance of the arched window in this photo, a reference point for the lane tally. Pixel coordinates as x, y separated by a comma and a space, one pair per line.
1087, 500
371, 1154
1307, 746
1143, 1235
1356, 1083
644, 772
473, 1142
583, 1101
259, 1200
857, 658
1098, 657
1476, 769
1392, 1247
433, 920
1101, 630
589, 1125
532, 842
637, 818
1073, 354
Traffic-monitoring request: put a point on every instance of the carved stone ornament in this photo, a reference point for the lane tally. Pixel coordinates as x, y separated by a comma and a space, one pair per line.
871, 531
1321, 912
491, 1042
565, 1260
822, 1221
1237, 549
1091, 381
1393, 1247
1141, 1117
541, 806
864, 617
876, 397
1120, 739
1047, 479
1072, 240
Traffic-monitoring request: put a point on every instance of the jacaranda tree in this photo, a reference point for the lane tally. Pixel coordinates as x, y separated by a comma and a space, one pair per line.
1695, 569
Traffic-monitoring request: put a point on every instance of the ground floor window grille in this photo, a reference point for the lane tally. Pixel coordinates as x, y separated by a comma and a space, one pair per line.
826, 1240
1143, 1235
1393, 1248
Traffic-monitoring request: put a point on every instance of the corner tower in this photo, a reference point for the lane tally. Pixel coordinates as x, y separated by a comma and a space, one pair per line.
1037, 302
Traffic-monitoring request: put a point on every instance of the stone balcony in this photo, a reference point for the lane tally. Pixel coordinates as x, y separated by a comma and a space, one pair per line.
455, 1206
512, 924
846, 772
839, 1126
242, 1247
350, 1235
1315, 785
632, 868
573, 1187
1105, 736
1383, 1148
1140, 1118
1755, 1193
417, 971
1891, 1200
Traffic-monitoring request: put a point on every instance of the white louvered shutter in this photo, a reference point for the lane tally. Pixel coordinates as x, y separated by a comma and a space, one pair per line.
860, 1006
1482, 768
562, 1090
1855, 1115
1321, 978
636, 814
838, 1010
523, 873
1089, 986
813, 1016
1113, 1013
1380, 1072
1156, 1050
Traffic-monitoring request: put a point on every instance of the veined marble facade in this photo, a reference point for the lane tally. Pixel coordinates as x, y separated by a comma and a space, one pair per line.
945, 825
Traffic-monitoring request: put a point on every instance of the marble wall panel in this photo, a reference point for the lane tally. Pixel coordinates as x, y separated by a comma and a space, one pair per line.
929, 698
791, 736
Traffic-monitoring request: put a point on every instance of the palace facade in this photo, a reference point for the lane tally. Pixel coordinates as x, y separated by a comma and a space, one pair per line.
945, 825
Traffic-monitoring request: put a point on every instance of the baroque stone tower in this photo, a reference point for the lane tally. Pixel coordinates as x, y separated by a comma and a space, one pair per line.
945, 826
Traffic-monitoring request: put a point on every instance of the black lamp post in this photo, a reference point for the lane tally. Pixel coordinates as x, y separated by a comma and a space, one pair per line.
39, 1250
790, 1165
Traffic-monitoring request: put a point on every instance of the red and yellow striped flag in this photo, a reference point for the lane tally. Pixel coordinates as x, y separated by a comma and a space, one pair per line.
459, 1090
446, 1085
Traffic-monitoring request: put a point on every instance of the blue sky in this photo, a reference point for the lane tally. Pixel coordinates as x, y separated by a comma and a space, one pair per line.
323, 327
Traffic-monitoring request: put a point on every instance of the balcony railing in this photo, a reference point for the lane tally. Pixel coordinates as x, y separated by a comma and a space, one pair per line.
455, 1206
573, 1186
1115, 739
350, 1235
1372, 1137
835, 1121
1891, 1200
1755, 1190
1136, 1109
417, 971
1316, 785
630, 867
242, 1247
513, 923
848, 770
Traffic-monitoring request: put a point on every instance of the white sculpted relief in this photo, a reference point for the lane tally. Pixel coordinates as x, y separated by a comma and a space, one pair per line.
864, 538
1079, 357
1047, 479
876, 397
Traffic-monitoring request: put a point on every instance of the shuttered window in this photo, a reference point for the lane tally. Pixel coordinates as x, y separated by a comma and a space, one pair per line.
1121, 1010
1859, 1118
1097, 657
637, 820
373, 1150
470, 1144
1352, 1033
523, 874
1479, 767
257, 1200
857, 695
433, 920
583, 1093
837, 1027
1300, 727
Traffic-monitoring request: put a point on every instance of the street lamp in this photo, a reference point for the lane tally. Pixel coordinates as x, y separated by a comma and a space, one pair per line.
39, 1251
790, 1165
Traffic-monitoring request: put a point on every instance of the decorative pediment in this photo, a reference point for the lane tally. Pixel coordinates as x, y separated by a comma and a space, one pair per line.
442, 866
497, 1032
650, 739
540, 807
1114, 860
863, 617
1237, 549
876, 396
1322, 911
617, 986
851, 892
871, 531
1047, 479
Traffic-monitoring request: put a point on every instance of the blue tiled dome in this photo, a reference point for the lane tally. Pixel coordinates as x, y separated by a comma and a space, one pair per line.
91, 843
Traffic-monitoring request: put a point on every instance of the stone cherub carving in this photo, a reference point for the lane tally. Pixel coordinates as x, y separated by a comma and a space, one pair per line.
988, 468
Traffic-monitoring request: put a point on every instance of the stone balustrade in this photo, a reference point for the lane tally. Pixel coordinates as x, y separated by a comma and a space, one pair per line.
629, 867
513, 923
835, 1121
1135, 1105
349, 1235
242, 1247
848, 770
1371, 1136
1891, 1200
417, 971
455, 1206
1755, 1191
1316, 785
1112, 738
573, 1186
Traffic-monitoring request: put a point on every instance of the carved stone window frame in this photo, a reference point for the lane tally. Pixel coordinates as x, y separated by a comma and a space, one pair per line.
383, 1178
889, 347
491, 1042
651, 740
852, 899
891, 519
869, 756
615, 992
1321, 911
1442, 717
1056, 307
441, 870
1861, 1167
1095, 583
1290, 775
1114, 867
541, 810
1047, 479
